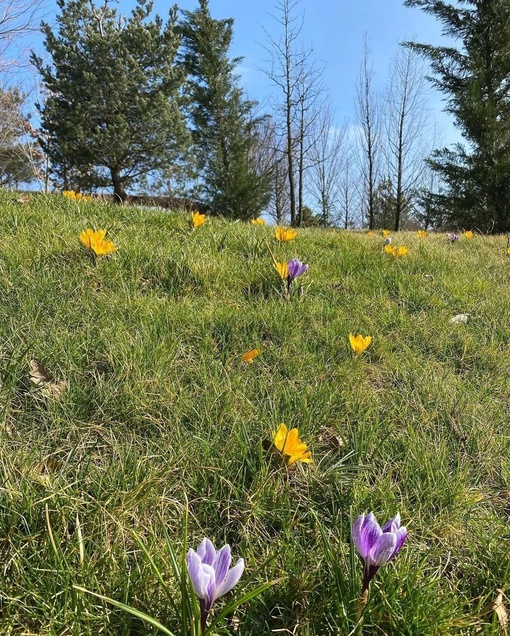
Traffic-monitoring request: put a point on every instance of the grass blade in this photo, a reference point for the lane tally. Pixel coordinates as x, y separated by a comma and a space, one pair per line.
130, 610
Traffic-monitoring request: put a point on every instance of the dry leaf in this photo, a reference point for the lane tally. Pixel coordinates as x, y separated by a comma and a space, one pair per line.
21, 200
498, 607
52, 465
329, 436
459, 318
42, 378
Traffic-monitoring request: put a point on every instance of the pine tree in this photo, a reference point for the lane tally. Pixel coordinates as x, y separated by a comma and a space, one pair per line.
112, 112
223, 128
384, 205
475, 77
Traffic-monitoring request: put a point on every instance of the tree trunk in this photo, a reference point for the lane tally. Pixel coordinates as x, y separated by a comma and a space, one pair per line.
119, 193
400, 163
301, 163
288, 121
290, 164
346, 205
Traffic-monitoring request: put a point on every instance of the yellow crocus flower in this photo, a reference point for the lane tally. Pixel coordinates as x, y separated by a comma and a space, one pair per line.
95, 242
468, 234
75, 196
385, 233
258, 222
283, 234
282, 269
359, 343
397, 252
421, 233
289, 445
249, 355
198, 219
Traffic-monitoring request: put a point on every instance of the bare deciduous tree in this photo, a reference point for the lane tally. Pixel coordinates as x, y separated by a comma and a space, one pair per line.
17, 18
19, 155
405, 126
308, 111
297, 77
368, 118
347, 190
327, 165
283, 60
269, 158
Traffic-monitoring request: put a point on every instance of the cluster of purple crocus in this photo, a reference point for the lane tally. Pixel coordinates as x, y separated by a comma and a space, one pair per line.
211, 575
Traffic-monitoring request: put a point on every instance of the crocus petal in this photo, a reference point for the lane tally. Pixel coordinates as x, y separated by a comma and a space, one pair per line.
282, 270
280, 437
297, 448
392, 525
401, 536
370, 532
199, 576
383, 549
222, 563
300, 457
301, 270
230, 580
291, 441
206, 552
357, 536
211, 586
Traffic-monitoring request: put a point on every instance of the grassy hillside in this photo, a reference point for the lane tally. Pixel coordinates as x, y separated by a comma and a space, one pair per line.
160, 420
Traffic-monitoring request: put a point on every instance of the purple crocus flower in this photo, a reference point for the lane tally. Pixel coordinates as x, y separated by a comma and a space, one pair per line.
453, 237
211, 575
296, 268
376, 545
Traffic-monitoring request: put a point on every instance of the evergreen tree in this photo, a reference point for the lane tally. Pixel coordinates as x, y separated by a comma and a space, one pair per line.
476, 79
224, 131
384, 204
112, 112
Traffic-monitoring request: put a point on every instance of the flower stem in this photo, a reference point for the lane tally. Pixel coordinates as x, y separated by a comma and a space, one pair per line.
203, 616
362, 603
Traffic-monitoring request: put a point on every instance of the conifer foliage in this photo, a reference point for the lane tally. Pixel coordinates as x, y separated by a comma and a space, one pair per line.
112, 114
475, 77
223, 129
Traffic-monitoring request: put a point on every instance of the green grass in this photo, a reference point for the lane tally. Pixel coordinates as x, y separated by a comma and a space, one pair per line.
161, 420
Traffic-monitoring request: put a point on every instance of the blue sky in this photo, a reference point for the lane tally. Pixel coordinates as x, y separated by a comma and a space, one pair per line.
335, 31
